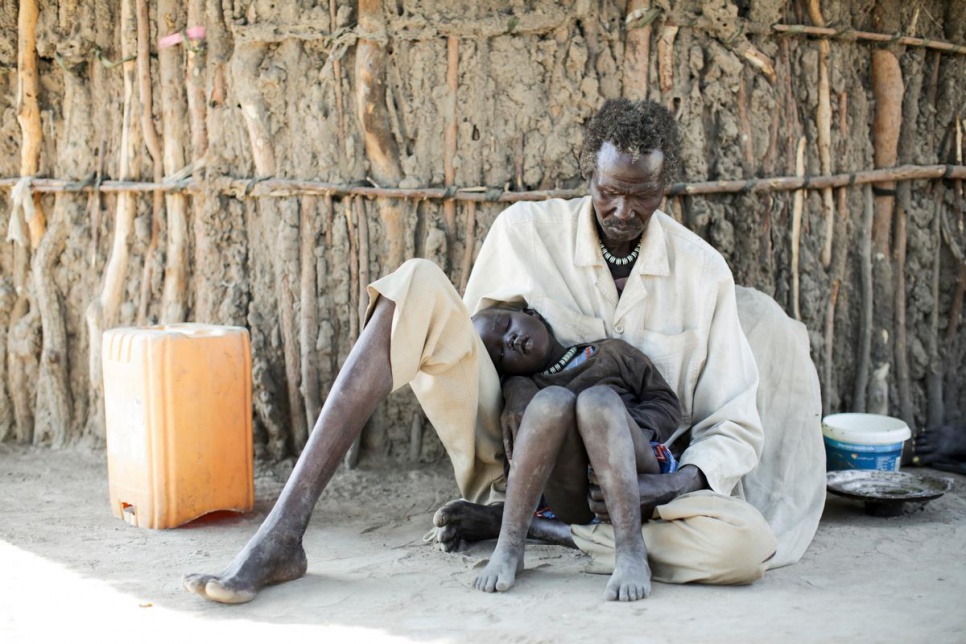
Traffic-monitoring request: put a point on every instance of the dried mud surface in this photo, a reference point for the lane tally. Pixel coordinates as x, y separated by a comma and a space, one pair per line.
70, 567
530, 73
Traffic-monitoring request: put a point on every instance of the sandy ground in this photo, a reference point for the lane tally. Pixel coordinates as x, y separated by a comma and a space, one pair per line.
69, 568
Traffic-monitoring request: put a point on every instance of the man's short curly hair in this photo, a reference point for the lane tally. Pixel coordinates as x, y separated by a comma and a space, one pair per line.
635, 128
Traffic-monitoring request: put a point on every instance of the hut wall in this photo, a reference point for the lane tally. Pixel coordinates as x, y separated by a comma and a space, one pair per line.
421, 94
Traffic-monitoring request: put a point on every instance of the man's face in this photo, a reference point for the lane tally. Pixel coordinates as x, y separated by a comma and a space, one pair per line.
625, 193
518, 343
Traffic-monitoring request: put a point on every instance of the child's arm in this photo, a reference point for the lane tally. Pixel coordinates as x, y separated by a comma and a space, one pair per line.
518, 391
655, 405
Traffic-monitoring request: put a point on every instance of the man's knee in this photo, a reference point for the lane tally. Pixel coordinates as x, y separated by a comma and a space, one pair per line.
423, 270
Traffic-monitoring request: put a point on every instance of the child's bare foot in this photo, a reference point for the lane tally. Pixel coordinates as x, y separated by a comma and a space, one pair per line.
501, 573
262, 563
630, 581
460, 521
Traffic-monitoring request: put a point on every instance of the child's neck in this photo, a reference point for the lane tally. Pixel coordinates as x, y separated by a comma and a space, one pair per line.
557, 352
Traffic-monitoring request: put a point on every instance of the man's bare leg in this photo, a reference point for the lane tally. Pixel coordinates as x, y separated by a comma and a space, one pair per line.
542, 432
275, 554
602, 421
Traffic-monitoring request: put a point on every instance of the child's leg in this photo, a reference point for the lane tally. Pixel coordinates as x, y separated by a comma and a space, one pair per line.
538, 442
608, 431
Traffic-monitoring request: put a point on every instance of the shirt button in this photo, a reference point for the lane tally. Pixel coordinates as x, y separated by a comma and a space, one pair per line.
619, 328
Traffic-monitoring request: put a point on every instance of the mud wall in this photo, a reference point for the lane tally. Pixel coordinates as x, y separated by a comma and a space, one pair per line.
423, 94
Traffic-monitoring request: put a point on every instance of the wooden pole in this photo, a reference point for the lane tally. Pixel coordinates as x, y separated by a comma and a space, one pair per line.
665, 61
309, 308
173, 117
102, 311
934, 373
798, 202
337, 83
853, 35
281, 188
637, 49
450, 141
153, 144
28, 109
865, 327
824, 123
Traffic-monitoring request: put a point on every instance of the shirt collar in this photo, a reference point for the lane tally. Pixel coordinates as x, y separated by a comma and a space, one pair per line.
653, 259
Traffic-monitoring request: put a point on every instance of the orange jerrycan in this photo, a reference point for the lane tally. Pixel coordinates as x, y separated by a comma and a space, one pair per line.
178, 411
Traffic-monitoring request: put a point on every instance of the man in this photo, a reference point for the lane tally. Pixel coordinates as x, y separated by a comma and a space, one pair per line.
609, 265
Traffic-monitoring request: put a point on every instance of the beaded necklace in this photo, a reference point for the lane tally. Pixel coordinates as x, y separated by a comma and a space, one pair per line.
562, 362
620, 261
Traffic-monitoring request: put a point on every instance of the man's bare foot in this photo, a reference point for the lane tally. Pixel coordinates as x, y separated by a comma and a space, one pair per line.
269, 561
940, 444
501, 573
460, 521
630, 581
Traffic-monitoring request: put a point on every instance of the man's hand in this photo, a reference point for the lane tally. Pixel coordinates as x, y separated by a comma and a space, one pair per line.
656, 489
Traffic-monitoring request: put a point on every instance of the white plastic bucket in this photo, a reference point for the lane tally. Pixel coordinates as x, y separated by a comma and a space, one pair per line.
863, 441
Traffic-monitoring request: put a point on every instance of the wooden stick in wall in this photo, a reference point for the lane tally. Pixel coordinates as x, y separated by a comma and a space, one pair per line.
934, 372
829, 347
824, 122
309, 307
470, 248
450, 141
102, 311
153, 143
170, 65
887, 90
798, 202
665, 61
197, 104
337, 83
865, 327
28, 109
637, 50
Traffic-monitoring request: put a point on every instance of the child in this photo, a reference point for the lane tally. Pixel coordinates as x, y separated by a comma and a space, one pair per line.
602, 403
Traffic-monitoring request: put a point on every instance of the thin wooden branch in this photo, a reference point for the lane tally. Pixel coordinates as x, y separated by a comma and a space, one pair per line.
470, 245
337, 83
153, 143
637, 50
175, 293
362, 223
934, 371
797, 207
829, 347
824, 122
352, 455
887, 89
274, 187
102, 311
55, 404
197, 105
907, 150
28, 109
450, 140
865, 326
665, 58
309, 309
744, 128
286, 268
852, 35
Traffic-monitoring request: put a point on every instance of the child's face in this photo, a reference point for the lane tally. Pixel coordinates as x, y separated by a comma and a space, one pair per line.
519, 343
